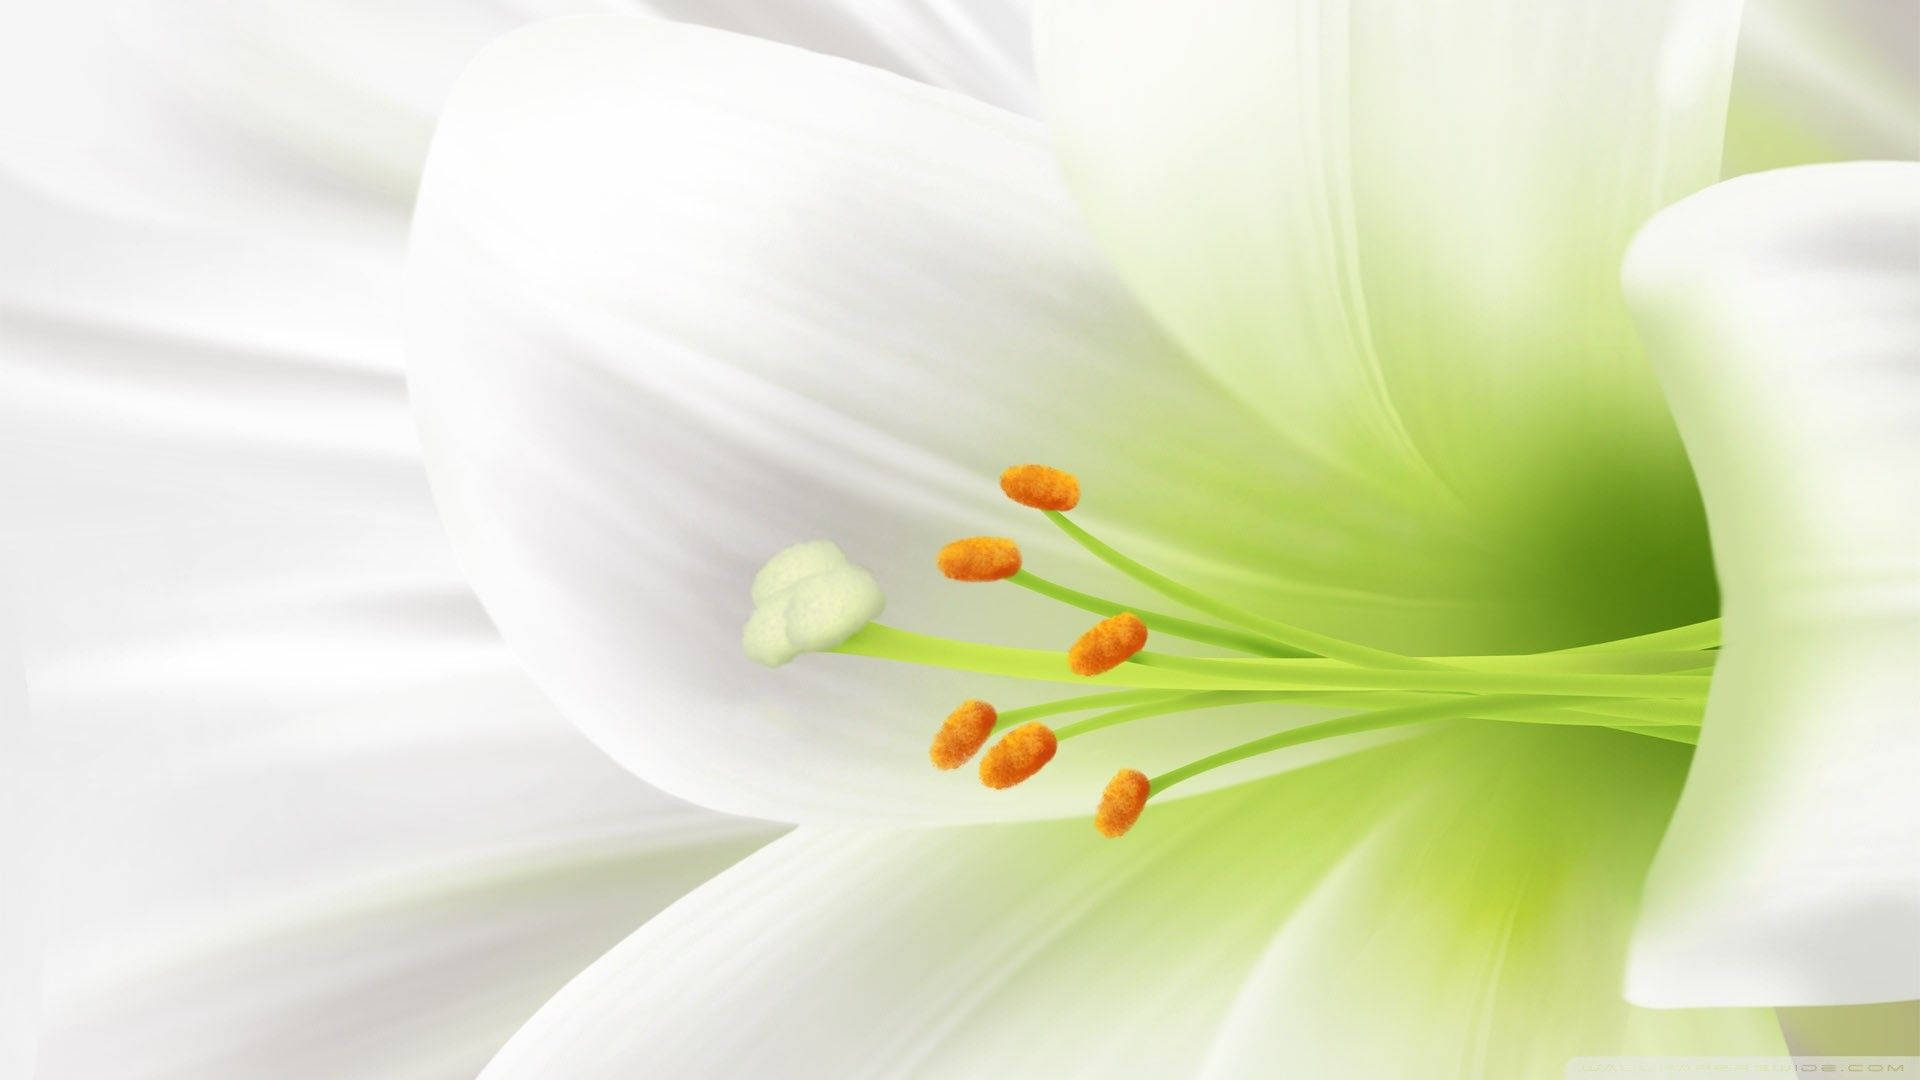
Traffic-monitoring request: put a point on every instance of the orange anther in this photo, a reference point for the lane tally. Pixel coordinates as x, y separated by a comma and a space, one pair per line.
980, 558
1121, 803
1108, 644
963, 734
1025, 751
1041, 487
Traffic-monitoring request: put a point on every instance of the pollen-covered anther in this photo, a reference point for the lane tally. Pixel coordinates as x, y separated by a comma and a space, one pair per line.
1121, 803
980, 558
1024, 751
1108, 644
1041, 487
963, 734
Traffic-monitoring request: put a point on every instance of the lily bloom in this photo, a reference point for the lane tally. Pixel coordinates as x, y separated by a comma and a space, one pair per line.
276, 800
1321, 310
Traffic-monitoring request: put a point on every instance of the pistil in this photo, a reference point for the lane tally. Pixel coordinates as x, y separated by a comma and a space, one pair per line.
1151, 670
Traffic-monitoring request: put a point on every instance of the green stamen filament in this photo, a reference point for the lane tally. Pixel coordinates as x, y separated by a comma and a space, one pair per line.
1666, 651
1158, 621
1376, 720
1183, 703
1546, 708
1621, 663
1694, 636
1269, 674
1156, 671
1297, 636
1690, 736
1012, 718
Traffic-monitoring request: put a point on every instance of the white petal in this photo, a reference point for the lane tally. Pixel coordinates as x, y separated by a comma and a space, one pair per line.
1394, 227
380, 911
1783, 311
1824, 80
1452, 908
22, 856
980, 48
680, 299
272, 731
275, 744
165, 107
1481, 932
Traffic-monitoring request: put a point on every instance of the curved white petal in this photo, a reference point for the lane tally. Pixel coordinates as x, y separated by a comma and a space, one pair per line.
1394, 228
1447, 908
164, 107
378, 910
1482, 932
273, 734
680, 299
1783, 311
1824, 80
286, 778
980, 48
22, 846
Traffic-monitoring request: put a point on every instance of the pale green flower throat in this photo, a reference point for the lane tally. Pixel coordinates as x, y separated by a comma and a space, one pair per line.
809, 598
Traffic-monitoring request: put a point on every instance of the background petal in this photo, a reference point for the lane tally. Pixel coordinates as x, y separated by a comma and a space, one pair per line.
294, 809
1450, 907
148, 105
680, 299
1393, 228
271, 732
1824, 80
373, 910
1783, 310
21, 857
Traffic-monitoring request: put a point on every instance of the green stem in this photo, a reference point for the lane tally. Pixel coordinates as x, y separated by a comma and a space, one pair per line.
1345, 725
1158, 621
1650, 712
1621, 663
1549, 710
1014, 717
1259, 645
1546, 710
1270, 674
1208, 700
1296, 636
1700, 635
1688, 735
1160, 672
906, 646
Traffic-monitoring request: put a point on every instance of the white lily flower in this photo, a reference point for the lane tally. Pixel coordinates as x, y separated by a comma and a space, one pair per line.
679, 298
312, 822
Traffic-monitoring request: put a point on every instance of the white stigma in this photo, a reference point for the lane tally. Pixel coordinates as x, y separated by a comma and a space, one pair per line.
808, 598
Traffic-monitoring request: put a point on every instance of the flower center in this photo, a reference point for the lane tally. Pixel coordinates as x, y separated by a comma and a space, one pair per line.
809, 598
